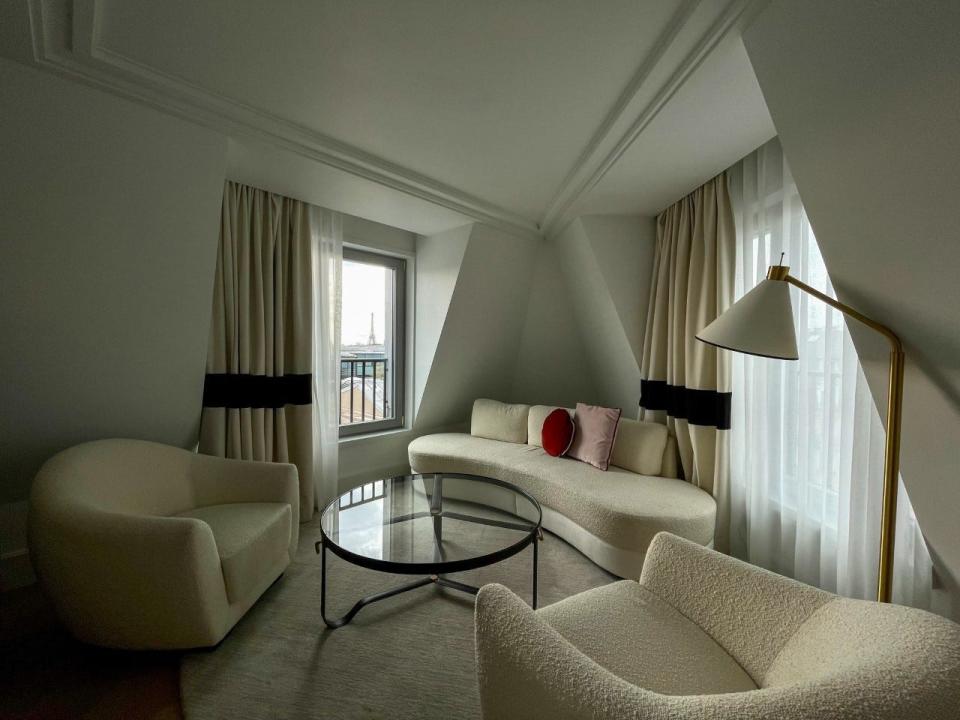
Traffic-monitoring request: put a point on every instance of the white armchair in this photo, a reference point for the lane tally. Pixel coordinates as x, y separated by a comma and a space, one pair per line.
704, 636
141, 545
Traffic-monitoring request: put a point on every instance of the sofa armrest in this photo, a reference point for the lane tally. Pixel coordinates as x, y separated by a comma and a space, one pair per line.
217, 481
154, 576
527, 670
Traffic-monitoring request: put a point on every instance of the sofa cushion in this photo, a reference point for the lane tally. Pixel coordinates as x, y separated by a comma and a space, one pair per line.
251, 538
535, 419
642, 639
593, 439
499, 421
639, 446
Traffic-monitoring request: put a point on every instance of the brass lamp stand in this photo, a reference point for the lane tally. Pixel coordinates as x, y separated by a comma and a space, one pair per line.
891, 452
761, 323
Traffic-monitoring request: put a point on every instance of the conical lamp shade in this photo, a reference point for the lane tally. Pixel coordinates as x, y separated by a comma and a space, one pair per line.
760, 323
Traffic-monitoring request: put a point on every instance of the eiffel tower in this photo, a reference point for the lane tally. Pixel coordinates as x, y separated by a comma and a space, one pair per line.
372, 340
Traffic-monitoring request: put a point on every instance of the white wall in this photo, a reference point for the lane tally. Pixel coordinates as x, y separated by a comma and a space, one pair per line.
439, 258
607, 261
377, 236
552, 366
109, 217
866, 99
477, 351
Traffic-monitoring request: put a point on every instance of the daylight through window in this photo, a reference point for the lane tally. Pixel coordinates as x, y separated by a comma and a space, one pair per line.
372, 342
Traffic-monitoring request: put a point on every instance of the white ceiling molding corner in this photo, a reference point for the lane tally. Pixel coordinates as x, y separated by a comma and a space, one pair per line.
86, 60
634, 111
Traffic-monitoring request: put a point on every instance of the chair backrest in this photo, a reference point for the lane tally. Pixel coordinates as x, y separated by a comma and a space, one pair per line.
750, 612
800, 642
122, 476
872, 649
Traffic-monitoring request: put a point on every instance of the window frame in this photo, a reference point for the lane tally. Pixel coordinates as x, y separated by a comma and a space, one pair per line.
398, 386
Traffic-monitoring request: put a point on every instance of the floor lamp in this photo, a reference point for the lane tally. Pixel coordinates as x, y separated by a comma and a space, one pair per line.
761, 323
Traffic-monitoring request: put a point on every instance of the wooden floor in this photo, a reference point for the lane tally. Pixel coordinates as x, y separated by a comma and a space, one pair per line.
44, 673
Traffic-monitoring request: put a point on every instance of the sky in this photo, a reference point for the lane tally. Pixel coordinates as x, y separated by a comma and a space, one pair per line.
364, 292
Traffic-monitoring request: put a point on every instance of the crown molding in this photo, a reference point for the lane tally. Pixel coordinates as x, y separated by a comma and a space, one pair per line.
92, 64
84, 59
594, 163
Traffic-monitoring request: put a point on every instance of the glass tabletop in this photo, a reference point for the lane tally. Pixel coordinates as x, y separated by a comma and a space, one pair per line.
440, 522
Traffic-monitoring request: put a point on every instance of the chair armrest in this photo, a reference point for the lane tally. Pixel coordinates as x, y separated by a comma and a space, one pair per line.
219, 480
154, 577
527, 670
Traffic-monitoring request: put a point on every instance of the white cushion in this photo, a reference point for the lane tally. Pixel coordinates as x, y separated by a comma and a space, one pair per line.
535, 419
642, 639
499, 421
249, 538
639, 446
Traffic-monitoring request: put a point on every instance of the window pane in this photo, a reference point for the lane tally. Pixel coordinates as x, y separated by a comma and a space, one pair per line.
370, 353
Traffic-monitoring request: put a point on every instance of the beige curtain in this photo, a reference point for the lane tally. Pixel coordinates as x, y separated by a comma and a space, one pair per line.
686, 383
257, 402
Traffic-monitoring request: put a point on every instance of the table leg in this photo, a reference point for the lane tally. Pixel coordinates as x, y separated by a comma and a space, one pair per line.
321, 548
536, 542
436, 507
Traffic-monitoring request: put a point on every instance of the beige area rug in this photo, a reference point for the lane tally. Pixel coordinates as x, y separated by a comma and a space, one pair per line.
410, 656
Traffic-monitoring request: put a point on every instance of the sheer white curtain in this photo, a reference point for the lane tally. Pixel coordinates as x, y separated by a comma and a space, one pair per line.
807, 440
327, 245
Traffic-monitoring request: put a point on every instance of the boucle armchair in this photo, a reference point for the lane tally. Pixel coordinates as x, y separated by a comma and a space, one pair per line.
704, 636
141, 545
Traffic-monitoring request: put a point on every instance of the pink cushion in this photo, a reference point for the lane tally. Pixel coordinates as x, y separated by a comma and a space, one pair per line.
557, 433
596, 428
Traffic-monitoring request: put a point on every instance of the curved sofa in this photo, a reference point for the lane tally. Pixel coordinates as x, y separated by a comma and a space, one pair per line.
703, 636
610, 516
146, 546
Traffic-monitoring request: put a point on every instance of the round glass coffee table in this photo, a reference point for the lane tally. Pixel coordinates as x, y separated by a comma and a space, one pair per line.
427, 525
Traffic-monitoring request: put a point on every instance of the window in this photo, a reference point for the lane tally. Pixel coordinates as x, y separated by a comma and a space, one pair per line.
806, 437
372, 347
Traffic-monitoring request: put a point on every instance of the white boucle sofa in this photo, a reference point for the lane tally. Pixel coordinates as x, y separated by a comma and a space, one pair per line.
703, 636
145, 546
610, 516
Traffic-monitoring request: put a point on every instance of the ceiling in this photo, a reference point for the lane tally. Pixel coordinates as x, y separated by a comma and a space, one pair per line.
523, 113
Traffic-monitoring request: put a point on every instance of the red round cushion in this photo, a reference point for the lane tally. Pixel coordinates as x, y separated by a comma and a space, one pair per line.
557, 433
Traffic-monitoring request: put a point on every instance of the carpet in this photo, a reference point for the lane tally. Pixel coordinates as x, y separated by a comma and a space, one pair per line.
411, 656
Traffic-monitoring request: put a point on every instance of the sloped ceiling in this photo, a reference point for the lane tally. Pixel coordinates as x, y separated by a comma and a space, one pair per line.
508, 112
866, 98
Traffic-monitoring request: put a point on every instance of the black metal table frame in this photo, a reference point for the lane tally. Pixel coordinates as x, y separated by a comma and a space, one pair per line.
436, 570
